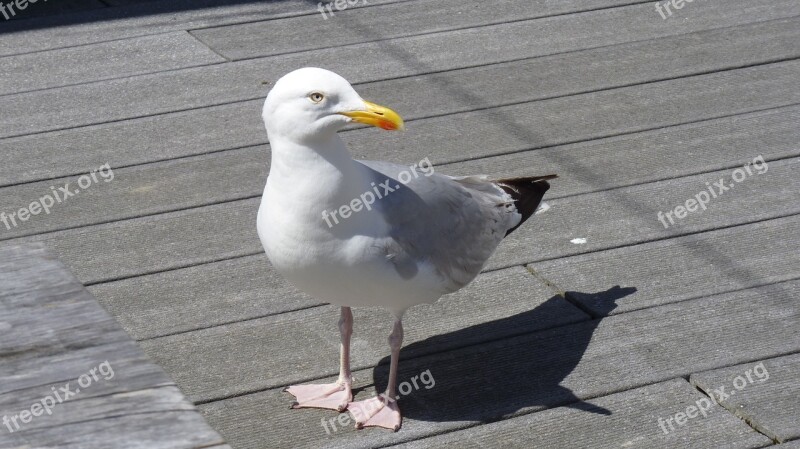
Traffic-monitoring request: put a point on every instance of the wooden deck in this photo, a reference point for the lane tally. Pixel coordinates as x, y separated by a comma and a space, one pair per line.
592, 325
71, 377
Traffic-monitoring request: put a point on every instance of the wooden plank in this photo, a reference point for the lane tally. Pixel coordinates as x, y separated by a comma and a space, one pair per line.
602, 164
30, 371
93, 386
710, 263
481, 312
510, 377
160, 430
128, 98
152, 244
608, 219
69, 326
383, 22
109, 24
620, 217
633, 422
199, 297
83, 408
61, 305
642, 157
167, 350
248, 287
116, 59
765, 394
636, 21
18, 275
575, 118
239, 125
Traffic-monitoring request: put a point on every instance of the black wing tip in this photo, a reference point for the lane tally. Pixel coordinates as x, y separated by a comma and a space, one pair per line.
527, 193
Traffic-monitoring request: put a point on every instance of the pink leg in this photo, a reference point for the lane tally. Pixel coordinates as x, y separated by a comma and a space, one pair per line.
336, 395
382, 411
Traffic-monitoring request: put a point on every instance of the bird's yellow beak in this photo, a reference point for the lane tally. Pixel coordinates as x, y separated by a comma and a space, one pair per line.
377, 115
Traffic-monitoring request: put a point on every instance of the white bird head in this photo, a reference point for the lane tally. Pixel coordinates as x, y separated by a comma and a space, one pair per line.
311, 103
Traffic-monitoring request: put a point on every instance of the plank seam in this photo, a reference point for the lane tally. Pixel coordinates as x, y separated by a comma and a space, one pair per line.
450, 30
425, 73
563, 293
659, 239
357, 367
442, 163
278, 16
205, 45
749, 423
591, 398
116, 416
255, 253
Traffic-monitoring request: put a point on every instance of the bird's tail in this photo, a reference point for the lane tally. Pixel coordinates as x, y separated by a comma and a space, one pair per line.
527, 194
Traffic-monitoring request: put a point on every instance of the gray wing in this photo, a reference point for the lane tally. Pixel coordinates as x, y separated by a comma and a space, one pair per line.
453, 223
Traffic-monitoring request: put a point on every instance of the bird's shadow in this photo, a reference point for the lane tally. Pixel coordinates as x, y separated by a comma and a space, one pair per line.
488, 381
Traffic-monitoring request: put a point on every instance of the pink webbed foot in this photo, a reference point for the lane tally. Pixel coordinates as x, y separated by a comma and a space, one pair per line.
333, 396
376, 412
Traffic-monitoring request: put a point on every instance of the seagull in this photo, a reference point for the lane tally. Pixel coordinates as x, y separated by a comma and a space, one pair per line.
359, 233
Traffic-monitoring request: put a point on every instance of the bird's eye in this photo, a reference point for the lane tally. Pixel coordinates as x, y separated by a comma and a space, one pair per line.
316, 97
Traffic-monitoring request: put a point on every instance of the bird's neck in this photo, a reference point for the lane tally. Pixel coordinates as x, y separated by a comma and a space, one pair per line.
319, 175
290, 158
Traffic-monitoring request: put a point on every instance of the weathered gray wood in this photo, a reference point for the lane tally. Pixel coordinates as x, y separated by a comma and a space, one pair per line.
543, 369
583, 167
607, 219
159, 430
765, 394
140, 20
69, 326
248, 287
688, 267
619, 217
95, 407
592, 114
35, 370
201, 296
90, 104
44, 319
633, 423
18, 273
497, 305
116, 59
238, 125
665, 153
590, 29
389, 21
191, 182
257, 332
62, 351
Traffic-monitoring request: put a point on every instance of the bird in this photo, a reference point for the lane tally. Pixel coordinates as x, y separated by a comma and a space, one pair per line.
356, 233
